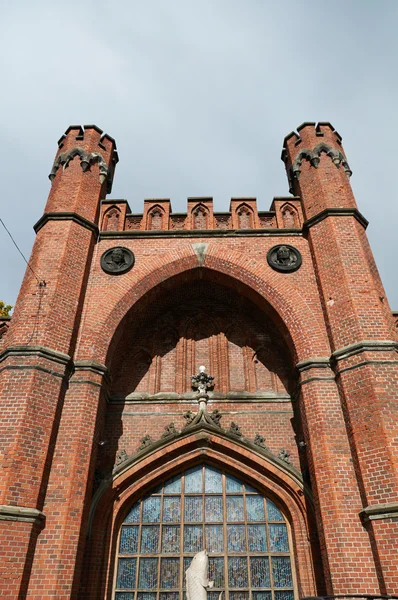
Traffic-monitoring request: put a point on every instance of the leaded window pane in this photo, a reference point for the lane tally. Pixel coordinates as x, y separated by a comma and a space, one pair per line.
193, 509
134, 514
213, 481
146, 596
169, 596
149, 539
274, 514
285, 595
262, 596
282, 571
124, 596
151, 509
172, 509
171, 539
237, 572
278, 538
234, 508
193, 538
170, 573
214, 509
236, 538
214, 538
193, 480
216, 571
173, 485
257, 538
232, 484
259, 572
126, 573
148, 575
255, 508
239, 596
129, 540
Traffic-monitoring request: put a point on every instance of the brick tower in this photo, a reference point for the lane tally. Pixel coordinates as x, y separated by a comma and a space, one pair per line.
178, 381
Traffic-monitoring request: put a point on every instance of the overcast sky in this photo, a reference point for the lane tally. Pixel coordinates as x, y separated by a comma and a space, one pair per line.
199, 96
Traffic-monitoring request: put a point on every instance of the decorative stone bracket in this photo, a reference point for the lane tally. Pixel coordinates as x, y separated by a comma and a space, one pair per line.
86, 160
313, 156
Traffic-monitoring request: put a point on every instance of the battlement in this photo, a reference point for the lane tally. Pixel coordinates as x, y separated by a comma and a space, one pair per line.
308, 134
77, 135
285, 213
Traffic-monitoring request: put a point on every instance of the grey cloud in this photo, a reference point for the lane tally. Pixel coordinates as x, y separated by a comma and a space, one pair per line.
199, 96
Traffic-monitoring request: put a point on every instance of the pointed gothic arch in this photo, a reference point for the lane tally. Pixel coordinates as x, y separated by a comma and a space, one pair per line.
208, 445
200, 217
156, 216
245, 216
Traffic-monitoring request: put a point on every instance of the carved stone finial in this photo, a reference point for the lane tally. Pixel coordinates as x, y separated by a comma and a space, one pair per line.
202, 382
284, 455
145, 442
259, 440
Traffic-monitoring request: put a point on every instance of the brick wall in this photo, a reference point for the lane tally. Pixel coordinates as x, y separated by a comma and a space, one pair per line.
94, 362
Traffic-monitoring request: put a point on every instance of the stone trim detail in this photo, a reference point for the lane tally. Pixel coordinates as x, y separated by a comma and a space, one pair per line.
313, 363
336, 212
388, 510
199, 233
86, 160
88, 365
21, 513
364, 346
310, 379
313, 156
42, 351
65, 216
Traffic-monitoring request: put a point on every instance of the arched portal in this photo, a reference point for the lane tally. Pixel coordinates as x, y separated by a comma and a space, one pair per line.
198, 318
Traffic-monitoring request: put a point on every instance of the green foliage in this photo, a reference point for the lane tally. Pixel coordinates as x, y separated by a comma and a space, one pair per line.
4, 309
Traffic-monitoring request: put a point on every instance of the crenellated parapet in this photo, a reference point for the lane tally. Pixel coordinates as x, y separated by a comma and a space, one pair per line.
243, 215
308, 144
79, 141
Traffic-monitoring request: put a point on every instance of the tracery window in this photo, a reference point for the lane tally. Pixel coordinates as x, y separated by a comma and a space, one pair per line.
245, 534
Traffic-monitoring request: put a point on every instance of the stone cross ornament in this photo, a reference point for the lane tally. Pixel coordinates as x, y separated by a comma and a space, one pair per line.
197, 577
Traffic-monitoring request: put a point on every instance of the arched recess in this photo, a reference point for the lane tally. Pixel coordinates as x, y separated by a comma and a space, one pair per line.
245, 216
202, 444
111, 220
200, 217
299, 324
289, 216
156, 216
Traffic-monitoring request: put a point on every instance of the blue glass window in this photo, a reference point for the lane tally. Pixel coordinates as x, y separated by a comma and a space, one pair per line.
245, 534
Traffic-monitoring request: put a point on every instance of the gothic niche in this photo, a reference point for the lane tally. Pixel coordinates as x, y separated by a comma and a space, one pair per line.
199, 218
244, 217
196, 325
111, 219
289, 217
155, 219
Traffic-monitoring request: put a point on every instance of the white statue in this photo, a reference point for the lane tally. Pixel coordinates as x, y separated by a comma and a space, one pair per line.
197, 577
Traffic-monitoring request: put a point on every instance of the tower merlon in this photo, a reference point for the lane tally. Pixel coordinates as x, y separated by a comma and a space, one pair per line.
91, 145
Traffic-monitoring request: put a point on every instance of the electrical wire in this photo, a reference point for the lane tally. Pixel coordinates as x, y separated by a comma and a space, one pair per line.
41, 282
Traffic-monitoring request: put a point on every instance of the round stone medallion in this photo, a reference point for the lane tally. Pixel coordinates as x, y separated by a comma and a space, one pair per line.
284, 258
117, 261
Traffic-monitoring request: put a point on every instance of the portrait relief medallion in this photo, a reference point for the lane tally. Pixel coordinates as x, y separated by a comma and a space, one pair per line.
117, 261
284, 258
